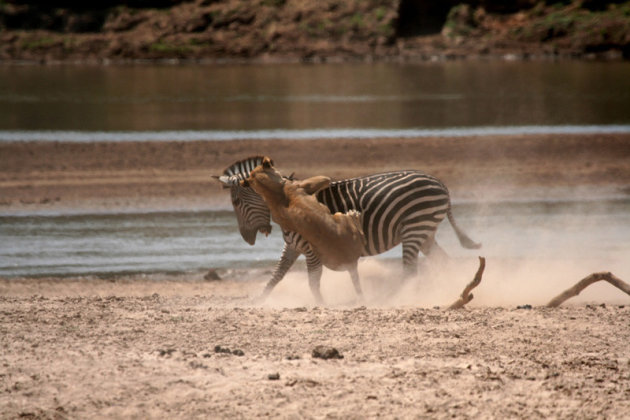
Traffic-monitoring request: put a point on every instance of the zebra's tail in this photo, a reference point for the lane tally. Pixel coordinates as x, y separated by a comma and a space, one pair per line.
464, 240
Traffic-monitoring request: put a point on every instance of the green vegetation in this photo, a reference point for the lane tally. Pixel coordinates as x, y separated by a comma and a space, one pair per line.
459, 21
576, 27
196, 42
165, 48
357, 20
611, 24
69, 43
274, 3
386, 30
324, 25
379, 13
43, 42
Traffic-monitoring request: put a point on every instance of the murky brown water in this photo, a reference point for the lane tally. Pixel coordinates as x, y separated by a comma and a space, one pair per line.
302, 97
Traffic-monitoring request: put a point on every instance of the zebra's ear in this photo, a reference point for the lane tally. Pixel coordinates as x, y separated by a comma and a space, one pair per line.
218, 178
226, 180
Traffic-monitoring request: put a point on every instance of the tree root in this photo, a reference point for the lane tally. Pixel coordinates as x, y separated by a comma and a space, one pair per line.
466, 296
584, 283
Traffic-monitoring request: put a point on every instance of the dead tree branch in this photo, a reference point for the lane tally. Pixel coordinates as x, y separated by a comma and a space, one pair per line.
466, 296
587, 281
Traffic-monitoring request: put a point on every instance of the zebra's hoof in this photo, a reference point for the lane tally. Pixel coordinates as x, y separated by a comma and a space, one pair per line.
257, 300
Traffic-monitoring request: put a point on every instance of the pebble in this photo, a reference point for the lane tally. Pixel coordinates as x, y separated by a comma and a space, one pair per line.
235, 352
325, 352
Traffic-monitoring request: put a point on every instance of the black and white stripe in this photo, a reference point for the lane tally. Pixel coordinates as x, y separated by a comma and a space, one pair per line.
397, 207
242, 168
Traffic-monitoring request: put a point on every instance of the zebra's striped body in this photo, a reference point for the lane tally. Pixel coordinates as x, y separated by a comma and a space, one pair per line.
394, 205
397, 207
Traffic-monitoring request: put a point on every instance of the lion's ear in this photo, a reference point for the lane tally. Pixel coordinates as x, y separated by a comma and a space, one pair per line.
267, 162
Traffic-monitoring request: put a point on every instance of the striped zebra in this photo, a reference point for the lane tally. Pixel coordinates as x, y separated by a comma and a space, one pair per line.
397, 207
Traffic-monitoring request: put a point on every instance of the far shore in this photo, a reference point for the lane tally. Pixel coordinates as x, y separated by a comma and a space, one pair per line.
116, 176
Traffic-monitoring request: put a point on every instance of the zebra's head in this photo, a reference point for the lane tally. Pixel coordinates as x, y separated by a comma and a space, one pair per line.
252, 213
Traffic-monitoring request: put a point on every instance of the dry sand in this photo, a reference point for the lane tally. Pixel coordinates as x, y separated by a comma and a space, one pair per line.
146, 346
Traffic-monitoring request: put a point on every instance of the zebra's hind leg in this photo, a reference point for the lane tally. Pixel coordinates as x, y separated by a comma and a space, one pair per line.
354, 274
435, 255
432, 250
410, 251
413, 245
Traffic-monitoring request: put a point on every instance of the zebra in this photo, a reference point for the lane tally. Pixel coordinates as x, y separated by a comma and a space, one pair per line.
398, 207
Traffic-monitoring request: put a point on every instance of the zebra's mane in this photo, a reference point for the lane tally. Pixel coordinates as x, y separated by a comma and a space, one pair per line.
242, 168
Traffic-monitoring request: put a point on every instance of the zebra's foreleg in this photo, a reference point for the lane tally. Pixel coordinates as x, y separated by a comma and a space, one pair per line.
314, 268
289, 255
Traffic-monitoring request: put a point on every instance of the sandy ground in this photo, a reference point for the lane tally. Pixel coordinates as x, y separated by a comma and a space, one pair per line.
154, 346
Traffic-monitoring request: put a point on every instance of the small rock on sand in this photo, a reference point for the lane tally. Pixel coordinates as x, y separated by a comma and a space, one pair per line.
212, 275
326, 352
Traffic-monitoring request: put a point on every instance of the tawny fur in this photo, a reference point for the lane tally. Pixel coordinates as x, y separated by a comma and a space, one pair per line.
336, 239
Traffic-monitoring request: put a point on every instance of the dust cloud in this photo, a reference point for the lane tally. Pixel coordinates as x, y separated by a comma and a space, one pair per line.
534, 250
505, 283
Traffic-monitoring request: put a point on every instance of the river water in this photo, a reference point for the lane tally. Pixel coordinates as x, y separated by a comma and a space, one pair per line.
195, 241
314, 97
191, 102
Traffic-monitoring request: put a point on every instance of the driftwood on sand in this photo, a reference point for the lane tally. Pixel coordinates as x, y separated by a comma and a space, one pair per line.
584, 283
466, 295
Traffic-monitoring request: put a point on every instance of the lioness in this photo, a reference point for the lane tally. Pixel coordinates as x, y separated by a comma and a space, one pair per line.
336, 239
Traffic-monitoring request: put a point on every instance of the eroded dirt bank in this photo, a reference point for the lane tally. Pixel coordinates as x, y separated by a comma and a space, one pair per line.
273, 30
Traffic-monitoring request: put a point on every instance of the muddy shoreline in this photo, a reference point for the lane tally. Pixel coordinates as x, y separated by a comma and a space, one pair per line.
60, 176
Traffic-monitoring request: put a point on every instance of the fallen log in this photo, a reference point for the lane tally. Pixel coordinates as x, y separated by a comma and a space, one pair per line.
587, 281
466, 296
